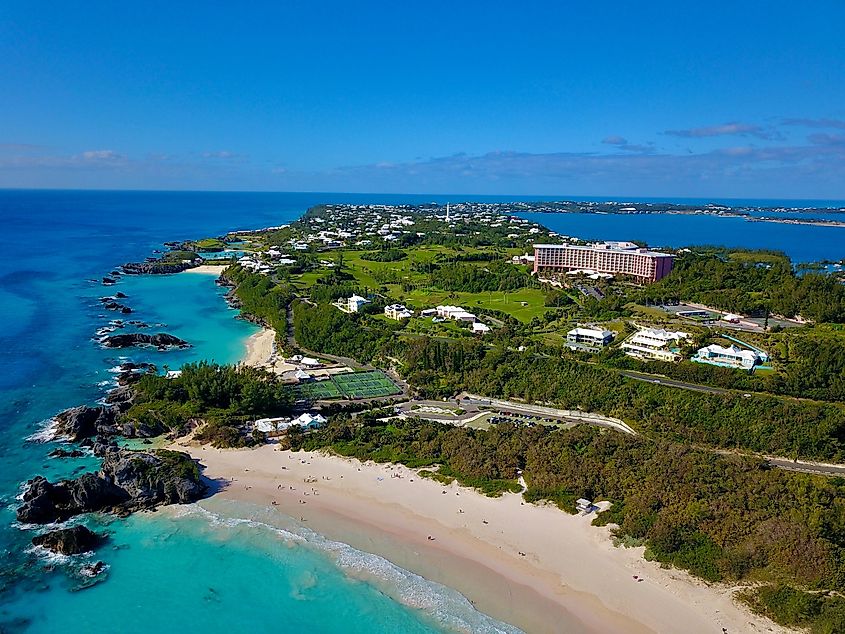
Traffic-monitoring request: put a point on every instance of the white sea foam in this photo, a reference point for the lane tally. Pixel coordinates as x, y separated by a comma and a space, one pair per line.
448, 607
47, 432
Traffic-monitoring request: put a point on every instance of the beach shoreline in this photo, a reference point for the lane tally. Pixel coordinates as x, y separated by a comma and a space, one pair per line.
207, 269
259, 348
530, 565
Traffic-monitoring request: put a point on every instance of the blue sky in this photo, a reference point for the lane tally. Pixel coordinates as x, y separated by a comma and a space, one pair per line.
721, 99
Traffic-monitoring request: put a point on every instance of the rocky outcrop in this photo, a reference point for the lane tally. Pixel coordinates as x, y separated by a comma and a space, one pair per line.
161, 340
65, 453
130, 373
156, 267
81, 422
69, 541
110, 303
127, 481
45, 502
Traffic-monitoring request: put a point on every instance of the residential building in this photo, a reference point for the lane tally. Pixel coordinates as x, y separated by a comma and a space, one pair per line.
455, 312
730, 357
355, 302
479, 328
613, 258
398, 312
655, 343
588, 338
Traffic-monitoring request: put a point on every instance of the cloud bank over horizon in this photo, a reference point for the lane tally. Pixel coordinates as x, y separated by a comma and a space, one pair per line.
814, 168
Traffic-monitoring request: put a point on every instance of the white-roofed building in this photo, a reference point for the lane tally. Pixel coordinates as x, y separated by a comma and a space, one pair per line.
455, 312
655, 343
588, 338
309, 421
398, 312
730, 357
479, 328
355, 302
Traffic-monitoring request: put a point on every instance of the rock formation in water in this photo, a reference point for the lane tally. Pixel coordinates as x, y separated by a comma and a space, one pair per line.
128, 481
161, 340
69, 541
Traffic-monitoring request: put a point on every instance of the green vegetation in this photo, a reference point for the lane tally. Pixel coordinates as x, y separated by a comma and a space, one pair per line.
723, 518
386, 255
210, 244
222, 397
495, 276
324, 328
750, 283
260, 297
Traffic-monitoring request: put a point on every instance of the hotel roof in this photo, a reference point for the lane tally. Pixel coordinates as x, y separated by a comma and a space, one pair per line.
603, 247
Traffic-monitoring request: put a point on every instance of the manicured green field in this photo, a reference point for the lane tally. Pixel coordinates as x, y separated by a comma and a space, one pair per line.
365, 384
355, 385
318, 390
510, 302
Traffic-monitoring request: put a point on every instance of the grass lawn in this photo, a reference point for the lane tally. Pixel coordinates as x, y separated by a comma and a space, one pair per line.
510, 302
650, 311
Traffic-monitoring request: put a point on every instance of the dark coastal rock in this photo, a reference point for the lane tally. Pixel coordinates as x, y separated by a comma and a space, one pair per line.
103, 445
120, 295
65, 453
107, 281
161, 340
128, 374
109, 303
93, 570
44, 502
128, 481
156, 267
81, 422
68, 541
121, 396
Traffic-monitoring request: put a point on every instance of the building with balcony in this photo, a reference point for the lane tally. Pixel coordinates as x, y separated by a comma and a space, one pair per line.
614, 258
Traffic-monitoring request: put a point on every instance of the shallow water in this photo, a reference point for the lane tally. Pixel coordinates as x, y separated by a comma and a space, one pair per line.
239, 569
165, 572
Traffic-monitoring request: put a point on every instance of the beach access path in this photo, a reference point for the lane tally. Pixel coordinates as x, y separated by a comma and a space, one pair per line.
531, 565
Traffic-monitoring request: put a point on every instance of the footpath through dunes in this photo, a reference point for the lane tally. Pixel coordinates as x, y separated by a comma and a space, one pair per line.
531, 565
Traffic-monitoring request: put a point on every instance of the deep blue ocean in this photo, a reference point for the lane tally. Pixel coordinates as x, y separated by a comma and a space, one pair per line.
194, 569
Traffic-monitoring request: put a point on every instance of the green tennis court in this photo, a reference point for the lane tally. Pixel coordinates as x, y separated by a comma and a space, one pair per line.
356, 385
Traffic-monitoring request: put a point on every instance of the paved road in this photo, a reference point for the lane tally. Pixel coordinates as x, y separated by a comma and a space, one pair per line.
651, 378
807, 467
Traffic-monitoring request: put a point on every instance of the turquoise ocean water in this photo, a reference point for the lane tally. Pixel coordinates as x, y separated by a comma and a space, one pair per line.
238, 567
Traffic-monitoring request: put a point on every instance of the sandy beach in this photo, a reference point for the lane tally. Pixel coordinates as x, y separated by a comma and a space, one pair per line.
259, 348
207, 269
533, 566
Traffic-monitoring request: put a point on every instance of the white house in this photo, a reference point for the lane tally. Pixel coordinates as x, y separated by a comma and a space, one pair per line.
655, 343
398, 312
309, 421
355, 302
479, 328
730, 357
455, 312
588, 338
309, 362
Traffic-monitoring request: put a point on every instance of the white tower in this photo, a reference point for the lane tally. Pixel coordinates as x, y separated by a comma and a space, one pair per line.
447, 213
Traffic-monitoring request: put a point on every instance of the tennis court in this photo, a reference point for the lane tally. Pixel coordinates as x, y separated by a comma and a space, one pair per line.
356, 385
365, 384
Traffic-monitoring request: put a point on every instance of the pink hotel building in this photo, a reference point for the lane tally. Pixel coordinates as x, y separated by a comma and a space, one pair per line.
616, 258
